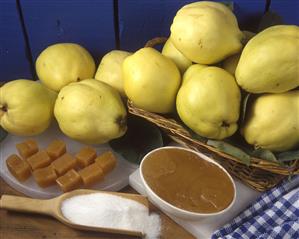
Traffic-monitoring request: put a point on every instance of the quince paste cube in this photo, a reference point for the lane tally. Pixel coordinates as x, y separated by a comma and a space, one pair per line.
64, 163
39, 160
69, 181
86, 156
45, 177
107, 161
91, 174
56, 148
18, 167
27, 148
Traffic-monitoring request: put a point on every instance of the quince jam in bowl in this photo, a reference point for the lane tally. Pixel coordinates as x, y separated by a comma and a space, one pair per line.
187, 184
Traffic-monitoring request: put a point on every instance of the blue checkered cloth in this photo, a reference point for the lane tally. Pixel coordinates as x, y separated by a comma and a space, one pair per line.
275, 214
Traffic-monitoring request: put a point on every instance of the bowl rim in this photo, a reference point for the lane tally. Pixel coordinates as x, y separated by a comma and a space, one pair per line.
183, 211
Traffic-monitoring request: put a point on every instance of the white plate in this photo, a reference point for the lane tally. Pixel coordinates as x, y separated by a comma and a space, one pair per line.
114, 181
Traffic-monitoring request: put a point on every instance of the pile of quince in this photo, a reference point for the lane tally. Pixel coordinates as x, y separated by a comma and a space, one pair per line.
86, 109
205, 65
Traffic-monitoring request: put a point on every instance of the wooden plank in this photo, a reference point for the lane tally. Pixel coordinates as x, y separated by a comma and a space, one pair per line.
288, 10
13, 61
142, 20
249, 13
89, 23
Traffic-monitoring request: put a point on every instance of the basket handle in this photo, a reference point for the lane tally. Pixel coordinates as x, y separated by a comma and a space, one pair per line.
156, 41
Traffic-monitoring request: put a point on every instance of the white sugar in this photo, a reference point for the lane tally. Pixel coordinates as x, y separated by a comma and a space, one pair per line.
106, 210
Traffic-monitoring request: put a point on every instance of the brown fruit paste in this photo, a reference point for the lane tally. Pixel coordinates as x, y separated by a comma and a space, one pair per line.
188, 182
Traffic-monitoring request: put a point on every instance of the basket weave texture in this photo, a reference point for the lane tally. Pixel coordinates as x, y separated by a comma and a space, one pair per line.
260, 174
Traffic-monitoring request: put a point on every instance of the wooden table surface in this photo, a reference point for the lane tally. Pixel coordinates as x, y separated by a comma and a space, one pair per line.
14, 225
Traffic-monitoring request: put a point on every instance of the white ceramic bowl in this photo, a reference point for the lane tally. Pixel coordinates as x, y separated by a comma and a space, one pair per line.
173, 210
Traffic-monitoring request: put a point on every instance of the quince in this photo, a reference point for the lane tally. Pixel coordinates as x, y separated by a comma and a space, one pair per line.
110, 69
191, 70
90, 111
209, 103
63, 63
273, 121
269, 62
26, 107
206, 32
230, 63
174, 54
151, 80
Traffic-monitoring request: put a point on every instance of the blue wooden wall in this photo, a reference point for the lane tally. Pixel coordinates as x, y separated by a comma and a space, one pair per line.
140, 21
288, 10
89, 23
28, 26
14, 55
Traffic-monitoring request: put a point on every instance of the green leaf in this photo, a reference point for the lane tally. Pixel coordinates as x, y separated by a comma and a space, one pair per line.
244, 107
270, 19
3, 134
231, 150
141, 137
288, 156
196, 136
264, 154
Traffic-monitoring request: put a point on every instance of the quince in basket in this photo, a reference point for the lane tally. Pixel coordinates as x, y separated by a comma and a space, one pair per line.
269, 62
26, 107
206, 32
273, 122
230, 63
151, 80
109, 70
209, 103
193, 69
174, 54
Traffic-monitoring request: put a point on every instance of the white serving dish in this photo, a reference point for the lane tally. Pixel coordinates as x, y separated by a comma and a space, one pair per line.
115, 181
171, 209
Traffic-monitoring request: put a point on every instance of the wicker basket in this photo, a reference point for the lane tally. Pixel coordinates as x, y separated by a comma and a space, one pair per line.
260, 174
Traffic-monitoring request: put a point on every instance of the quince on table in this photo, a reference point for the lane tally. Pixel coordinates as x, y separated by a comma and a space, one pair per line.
26, 107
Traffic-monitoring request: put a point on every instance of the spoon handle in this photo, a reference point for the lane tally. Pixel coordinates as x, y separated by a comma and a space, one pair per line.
22, 204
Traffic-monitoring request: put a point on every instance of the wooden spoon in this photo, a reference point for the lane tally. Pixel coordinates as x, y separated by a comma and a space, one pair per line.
52, 207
